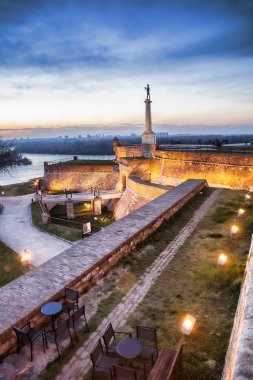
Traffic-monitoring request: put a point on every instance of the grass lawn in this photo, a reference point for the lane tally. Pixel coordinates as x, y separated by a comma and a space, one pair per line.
10, 265
69, 230
208, 292
192, 279
18, 189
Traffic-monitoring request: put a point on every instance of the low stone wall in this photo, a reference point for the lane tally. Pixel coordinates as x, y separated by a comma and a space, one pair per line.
85, 262
238, 365
136, 195
148, 189
80, 177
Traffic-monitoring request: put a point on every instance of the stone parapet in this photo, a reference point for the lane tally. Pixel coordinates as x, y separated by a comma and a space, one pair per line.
84, 263
238, 364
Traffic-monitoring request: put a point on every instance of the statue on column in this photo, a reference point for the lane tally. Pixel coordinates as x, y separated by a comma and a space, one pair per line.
148, 91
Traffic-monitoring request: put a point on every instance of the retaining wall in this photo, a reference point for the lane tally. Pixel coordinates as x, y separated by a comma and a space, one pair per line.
238, 364
80, 177
84, 263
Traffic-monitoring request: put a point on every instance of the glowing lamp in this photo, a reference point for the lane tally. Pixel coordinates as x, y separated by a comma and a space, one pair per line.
188, 324
222, 259
247, 197
25, 257
241, 211
2, 193
234, 230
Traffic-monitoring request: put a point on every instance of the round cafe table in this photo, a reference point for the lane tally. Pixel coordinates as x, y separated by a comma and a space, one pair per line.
7, 372
51, 309
129, 348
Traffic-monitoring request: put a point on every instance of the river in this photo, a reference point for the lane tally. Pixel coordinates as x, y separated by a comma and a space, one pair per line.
23, 173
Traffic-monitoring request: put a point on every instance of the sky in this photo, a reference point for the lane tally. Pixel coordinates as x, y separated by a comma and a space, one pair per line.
80, 66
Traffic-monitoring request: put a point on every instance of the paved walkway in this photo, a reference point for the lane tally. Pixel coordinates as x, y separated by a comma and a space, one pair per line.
80, 363
17, 231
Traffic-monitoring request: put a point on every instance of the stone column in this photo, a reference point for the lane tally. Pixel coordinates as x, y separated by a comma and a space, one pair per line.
70, 209
97, 206
148, 136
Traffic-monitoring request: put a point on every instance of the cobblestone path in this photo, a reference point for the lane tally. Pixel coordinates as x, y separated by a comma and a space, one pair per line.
17, 231
80, 363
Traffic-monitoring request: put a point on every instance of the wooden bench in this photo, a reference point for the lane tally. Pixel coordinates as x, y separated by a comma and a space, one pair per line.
166, 363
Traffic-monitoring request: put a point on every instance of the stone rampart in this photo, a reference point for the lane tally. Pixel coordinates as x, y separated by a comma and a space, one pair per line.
80, 177
84, 263
218, 169
148, 189
137, 194
233, 171
238, 364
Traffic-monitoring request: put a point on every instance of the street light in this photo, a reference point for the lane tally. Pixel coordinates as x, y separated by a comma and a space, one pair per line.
247, 200
188, 324
222, 259
241, 211
25, 256
233, 231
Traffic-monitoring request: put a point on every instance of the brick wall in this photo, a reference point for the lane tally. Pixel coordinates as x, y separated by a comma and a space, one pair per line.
84, 263
233, 171
80, 177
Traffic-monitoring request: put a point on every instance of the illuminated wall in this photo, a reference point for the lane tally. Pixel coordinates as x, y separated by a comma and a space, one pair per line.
80, 177
171, 168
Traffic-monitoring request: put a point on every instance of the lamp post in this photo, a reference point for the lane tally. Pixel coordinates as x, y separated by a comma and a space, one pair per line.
240, 213
188, 324
247, 200
25, 256
233, 231
222, 259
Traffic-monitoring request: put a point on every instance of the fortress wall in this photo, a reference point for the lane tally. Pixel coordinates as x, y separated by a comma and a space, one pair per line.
147, 189
238, 364
136, 195
128, 151
84, 263
80, 177
233, 171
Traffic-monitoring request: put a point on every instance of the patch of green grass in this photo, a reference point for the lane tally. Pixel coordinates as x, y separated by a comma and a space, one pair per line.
10, 265
208, 292
66, 229
18, 189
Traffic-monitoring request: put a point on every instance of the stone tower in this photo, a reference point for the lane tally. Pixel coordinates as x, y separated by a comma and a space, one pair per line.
148, 136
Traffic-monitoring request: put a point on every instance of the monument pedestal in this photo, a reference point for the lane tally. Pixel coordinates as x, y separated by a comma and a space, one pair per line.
148, 136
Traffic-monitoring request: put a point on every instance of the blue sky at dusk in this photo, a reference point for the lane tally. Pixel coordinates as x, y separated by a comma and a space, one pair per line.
81, 66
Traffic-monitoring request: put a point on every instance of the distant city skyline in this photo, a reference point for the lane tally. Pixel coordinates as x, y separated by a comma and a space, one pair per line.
78, 67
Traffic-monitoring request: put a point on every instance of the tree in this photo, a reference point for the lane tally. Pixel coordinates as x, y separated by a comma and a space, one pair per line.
8, 156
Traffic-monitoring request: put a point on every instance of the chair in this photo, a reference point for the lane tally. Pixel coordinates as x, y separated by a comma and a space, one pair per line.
147, 335
71, 300
126, 373
78, 319
28, 338
110, 340
101, 363
59, 334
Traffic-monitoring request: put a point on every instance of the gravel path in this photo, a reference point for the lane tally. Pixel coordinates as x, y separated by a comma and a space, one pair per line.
17, 231
80, 363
